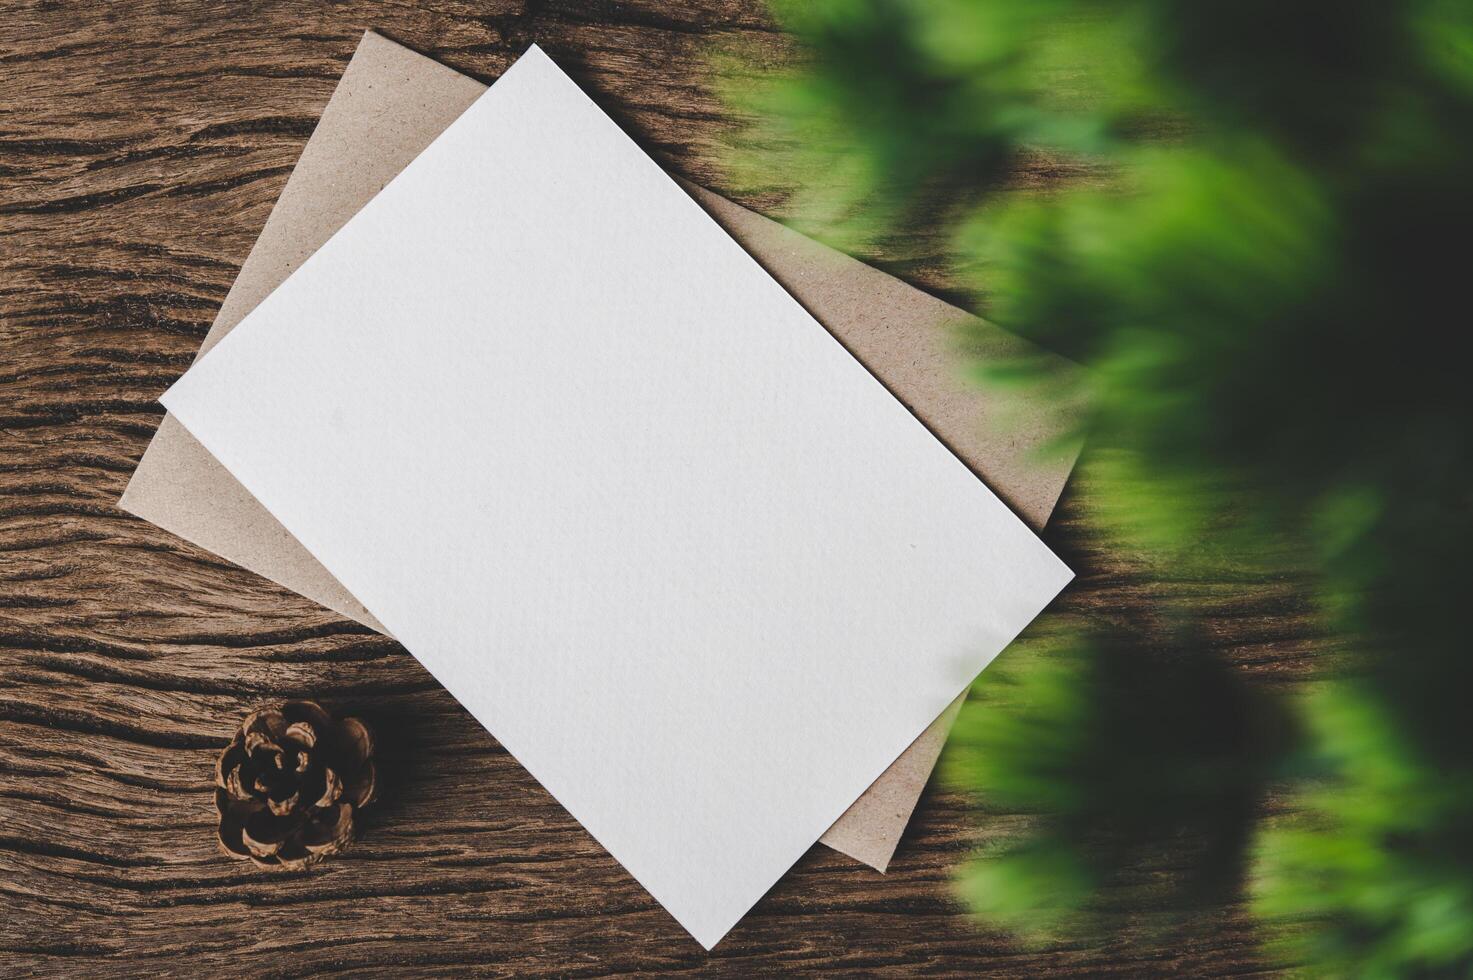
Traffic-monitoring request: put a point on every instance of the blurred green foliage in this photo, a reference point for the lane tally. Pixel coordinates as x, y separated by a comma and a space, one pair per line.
1260, 259
1139, 764
1372, 877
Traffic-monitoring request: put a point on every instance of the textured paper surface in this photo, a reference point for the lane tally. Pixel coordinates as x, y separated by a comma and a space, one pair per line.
689, 562
390, 103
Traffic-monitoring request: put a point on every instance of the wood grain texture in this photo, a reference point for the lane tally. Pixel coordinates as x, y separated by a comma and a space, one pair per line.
141, 148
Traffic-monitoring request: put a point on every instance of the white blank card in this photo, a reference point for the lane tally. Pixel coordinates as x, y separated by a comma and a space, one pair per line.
679, 552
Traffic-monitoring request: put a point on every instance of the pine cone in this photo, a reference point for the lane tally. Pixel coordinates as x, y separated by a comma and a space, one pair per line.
290, 784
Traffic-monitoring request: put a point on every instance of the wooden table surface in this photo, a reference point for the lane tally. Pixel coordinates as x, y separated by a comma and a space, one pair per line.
141, 147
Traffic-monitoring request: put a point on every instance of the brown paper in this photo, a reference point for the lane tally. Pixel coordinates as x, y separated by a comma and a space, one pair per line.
390, 104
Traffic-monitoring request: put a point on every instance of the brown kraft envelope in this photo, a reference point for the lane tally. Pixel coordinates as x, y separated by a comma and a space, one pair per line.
390, 104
